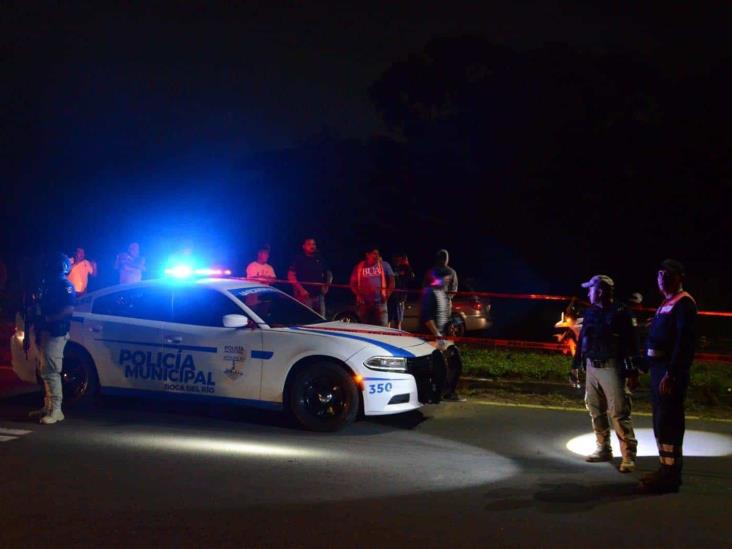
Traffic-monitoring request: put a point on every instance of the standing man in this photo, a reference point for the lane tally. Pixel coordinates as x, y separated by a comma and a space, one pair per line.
309, 267
130, 264
670, 352
260, 270
433, 317
442, 257
56, 306
606, 348
80, 271
404, 275
372, 282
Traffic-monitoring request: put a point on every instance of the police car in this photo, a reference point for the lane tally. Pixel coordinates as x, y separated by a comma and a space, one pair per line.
229, 340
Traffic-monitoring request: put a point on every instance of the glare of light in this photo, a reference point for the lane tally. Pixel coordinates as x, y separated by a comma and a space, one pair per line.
179, 271
213, 272
696, 443
359, 381
19, 335
186, 271
219, 446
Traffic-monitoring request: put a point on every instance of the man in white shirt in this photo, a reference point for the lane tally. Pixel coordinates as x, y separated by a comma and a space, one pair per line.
130, 264
260, 270
80, 271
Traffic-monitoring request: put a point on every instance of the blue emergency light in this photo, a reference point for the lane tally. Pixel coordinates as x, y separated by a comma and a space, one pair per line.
185, 271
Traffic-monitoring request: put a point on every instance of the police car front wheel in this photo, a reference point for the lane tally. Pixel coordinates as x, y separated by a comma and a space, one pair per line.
324, 397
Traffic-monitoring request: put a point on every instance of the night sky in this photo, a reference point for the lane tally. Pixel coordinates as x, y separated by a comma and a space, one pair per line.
228, 126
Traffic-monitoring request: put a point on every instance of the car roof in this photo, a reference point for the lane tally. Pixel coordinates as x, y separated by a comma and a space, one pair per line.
217, 283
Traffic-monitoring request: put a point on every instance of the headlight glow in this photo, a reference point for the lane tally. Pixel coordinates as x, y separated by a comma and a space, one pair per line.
387, 363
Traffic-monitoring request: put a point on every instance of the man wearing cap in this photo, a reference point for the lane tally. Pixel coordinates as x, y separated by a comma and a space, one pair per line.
670, 352
607, 347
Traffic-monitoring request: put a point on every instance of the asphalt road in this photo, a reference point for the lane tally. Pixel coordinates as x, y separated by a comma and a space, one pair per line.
126, 472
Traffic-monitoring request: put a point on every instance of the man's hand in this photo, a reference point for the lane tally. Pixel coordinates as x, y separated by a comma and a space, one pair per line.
666, 387
442, 344
632, 381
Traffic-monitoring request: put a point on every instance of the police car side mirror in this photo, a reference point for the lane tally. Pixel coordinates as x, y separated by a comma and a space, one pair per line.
237, 321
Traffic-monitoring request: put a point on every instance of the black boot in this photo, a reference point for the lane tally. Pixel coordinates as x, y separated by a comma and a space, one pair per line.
665, 480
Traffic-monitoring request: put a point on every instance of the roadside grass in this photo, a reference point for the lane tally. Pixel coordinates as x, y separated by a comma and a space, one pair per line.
534, 377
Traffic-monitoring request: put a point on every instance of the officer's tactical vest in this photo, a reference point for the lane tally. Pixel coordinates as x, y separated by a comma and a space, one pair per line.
601, 333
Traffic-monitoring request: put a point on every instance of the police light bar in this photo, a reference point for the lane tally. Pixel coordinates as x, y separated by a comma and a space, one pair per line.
184, 271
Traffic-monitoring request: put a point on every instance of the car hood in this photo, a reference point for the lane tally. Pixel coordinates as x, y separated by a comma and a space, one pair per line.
387, 337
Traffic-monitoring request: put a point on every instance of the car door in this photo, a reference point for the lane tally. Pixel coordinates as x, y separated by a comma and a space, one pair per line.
215, 361
124, 337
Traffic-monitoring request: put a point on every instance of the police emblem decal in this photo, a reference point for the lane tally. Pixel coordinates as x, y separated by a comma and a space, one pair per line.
236, 355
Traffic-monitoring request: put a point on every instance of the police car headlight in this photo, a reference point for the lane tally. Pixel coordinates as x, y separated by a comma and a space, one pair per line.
387, 363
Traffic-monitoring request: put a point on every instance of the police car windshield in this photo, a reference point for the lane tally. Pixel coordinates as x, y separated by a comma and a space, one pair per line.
276, 308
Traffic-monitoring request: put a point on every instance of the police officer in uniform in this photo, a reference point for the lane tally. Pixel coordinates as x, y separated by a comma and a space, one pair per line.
56, 306
607, 348
669, 353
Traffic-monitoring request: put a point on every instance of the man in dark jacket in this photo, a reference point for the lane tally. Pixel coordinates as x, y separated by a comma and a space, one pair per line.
56, 306
669, 353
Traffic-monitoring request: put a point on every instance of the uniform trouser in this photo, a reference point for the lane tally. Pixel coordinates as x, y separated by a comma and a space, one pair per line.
606, 395
669, 422
52, 357
373, 313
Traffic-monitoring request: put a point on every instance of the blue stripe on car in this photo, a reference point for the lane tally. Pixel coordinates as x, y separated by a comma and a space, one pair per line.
164, 345
264, 355
395, 351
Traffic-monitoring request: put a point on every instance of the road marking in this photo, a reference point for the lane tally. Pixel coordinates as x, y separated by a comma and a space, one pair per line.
584, 410
6, 439
14, 432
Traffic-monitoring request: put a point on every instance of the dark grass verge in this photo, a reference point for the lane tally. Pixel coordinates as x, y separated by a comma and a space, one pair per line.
530, 377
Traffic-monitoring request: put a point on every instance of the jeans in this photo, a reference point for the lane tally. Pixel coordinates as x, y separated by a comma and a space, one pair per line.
315, 302
52, 357
373, 313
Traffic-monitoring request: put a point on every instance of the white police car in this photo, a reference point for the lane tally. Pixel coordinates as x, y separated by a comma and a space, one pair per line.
241, 342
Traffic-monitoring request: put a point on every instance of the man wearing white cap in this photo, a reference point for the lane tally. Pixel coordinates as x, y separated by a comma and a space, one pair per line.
607, 347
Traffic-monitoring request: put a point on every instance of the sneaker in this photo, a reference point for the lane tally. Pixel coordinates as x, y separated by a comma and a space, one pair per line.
627, 465
53, 417
599, 455
454, 397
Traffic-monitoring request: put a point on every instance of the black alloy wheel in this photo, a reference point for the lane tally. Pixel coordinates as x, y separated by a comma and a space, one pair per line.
324, 397
78, 377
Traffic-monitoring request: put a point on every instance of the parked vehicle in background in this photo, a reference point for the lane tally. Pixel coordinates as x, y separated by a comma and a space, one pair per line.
469, 314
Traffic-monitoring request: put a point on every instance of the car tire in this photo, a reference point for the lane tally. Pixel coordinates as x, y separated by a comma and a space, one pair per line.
323, 397
78, 376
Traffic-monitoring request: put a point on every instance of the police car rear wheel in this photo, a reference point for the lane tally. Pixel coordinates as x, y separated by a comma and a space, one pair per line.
79, 377
324, 397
